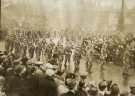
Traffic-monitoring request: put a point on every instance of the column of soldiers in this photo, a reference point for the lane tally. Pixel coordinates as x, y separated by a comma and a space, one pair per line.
22, 47
95, 49
111, 50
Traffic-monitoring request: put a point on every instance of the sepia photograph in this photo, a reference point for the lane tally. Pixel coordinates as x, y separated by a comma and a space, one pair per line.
67, 48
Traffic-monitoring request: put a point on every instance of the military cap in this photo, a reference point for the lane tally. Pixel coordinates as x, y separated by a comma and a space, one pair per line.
24, 59
102, 85
93, 90
70, 75
83, 75
59, 73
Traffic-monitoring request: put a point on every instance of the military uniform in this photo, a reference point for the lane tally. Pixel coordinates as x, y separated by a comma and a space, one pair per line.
17, 47
48, 52
31, 50
23, 49
76, 58
55, 54
38, 50
67, 52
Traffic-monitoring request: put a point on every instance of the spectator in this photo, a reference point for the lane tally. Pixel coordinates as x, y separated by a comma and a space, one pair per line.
115, 91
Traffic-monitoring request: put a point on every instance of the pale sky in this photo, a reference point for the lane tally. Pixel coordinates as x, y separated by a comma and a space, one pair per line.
55, 3
74, 3
63, 13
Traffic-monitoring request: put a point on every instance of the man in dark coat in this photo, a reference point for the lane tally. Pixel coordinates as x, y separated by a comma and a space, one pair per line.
70, 82
31, 50
17, 47
46, 87
67, 53
115, 91
81, 86
77, 58
38, 50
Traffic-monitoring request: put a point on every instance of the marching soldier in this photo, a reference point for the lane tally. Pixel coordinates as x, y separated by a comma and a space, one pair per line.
128, 61
55, 54
9, 43
48, 52
76, 58
23, 48
17, 49
89, 58
38, 50
67, 53
61, 55
31, 50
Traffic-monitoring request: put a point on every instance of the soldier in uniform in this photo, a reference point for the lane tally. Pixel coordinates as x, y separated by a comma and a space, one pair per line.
67, 53
76, 58
55, 54
61, 55
48, 52
17, 49
23, 48
89, 59
128, 61
31, 50
38, 50
9, 43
